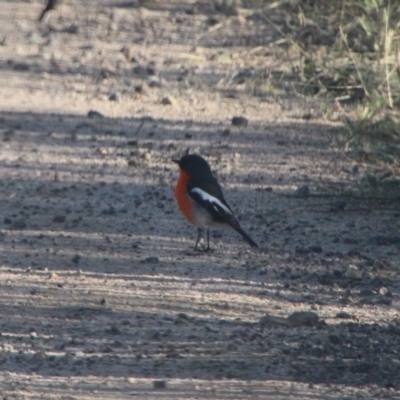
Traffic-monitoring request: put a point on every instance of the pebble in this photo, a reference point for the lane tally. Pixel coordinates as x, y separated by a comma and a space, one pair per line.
343, 315
155, 82
59, 219
302, 191
168, 100
76, 259
129, 53
353, 272
40, 354
159, 384
142, 88
53, 275
383, 291
151, 260
94, 114
240, 121
303, 318
140, 71
114, 97
212, 329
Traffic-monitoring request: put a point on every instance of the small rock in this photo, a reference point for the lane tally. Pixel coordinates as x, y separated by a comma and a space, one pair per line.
151, 68
226, 132
159, 384
40, 354
269, 320
128, 52
72, 29
76, 259
353, 272
140, 71
53, 275
384, 291
384, 300
151, 260
59, 219
114, 330
168, 100
302, 250
212, 329
240, 121
109, 211
315, 248
114, 97
303, 318
103, 301
142, 88
343, 315
20, 66
147, 156
302, 191
155, 82
103, 151
94, 114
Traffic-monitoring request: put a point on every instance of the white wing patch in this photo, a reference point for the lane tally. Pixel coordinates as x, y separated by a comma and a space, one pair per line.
211, 199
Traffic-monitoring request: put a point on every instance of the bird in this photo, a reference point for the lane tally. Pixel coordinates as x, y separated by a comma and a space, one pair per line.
200, 198
51, 5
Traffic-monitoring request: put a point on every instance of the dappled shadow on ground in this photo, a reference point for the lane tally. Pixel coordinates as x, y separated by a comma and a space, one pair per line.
101, 291
98, 281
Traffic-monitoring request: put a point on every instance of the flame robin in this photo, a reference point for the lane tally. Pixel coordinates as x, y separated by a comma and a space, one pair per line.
201, 201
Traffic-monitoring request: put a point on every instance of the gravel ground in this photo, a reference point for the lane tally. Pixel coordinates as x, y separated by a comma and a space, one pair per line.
102, 295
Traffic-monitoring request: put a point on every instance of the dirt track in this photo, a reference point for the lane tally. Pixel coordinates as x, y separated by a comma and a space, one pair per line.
101, 292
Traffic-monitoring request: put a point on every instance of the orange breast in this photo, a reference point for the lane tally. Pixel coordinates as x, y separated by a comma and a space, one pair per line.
184, 201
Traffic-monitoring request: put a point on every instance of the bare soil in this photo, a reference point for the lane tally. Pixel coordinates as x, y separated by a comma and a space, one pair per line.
102, 296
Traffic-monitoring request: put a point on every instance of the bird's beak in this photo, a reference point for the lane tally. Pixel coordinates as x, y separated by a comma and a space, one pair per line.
175, 161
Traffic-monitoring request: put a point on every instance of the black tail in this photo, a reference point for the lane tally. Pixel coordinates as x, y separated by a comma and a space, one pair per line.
248, 239
236, 226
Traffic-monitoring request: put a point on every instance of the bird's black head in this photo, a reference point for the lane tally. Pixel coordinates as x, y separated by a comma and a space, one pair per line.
193, 165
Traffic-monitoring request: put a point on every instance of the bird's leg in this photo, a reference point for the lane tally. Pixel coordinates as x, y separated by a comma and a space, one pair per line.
199, 235
208, 240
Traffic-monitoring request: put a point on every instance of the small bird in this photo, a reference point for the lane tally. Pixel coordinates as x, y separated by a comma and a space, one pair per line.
51, 5
201, 201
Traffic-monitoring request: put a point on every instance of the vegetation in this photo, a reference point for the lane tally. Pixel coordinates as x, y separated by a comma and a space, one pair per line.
348, 53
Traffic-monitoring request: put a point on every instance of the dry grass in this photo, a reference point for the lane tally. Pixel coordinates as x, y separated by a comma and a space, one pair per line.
346, 53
